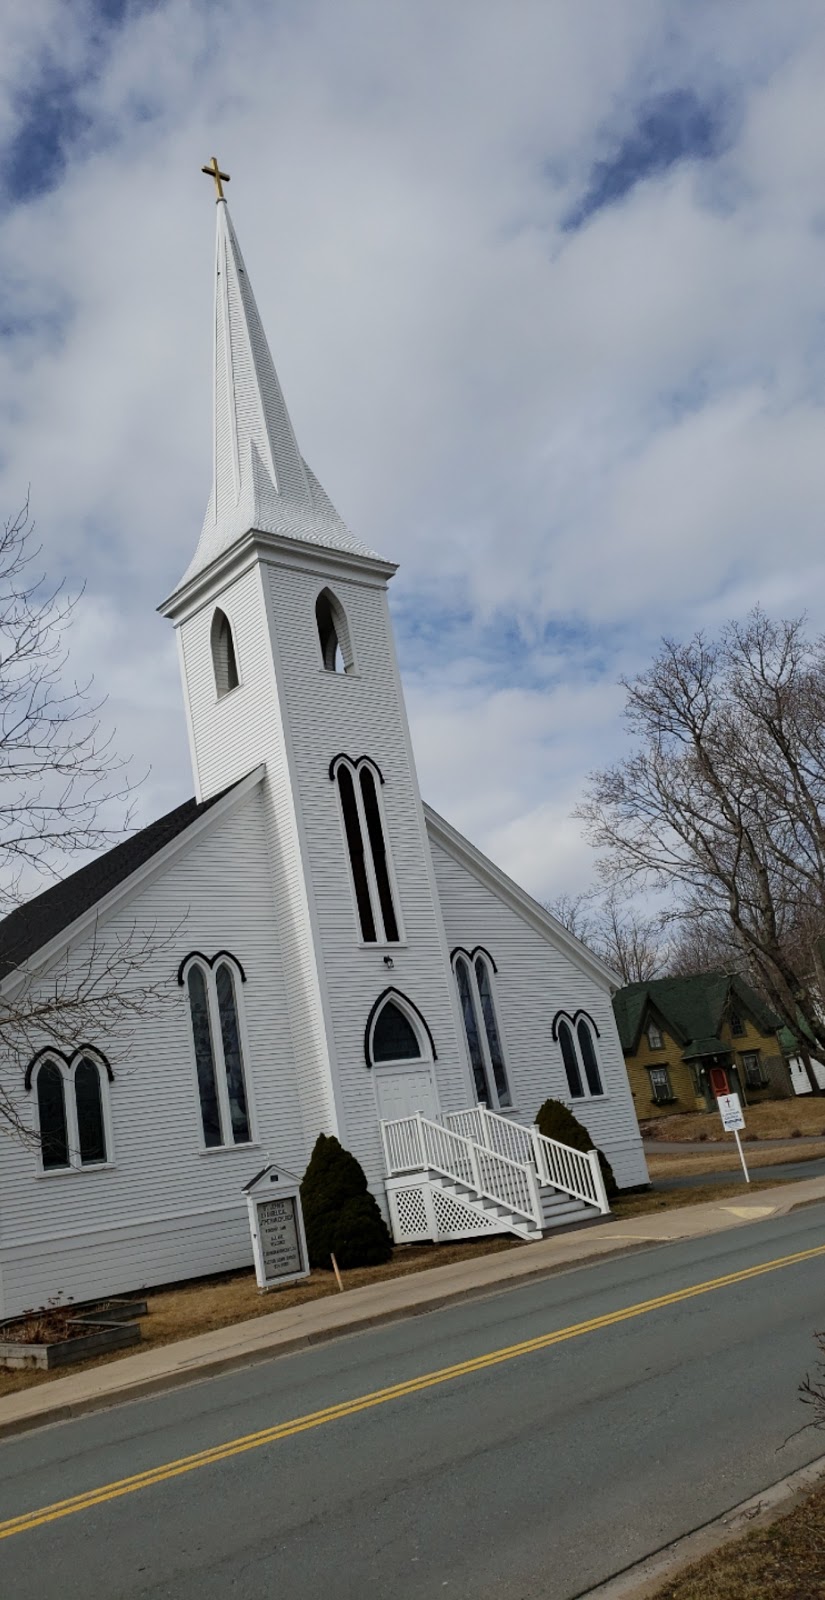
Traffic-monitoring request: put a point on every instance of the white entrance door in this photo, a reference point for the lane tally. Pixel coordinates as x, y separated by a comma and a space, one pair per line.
405, 1088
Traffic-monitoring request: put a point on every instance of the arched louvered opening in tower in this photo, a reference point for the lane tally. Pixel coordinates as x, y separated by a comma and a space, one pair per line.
333, 633
224, 660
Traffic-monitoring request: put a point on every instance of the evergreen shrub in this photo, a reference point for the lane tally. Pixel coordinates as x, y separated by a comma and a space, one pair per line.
340, 1214
556, 1121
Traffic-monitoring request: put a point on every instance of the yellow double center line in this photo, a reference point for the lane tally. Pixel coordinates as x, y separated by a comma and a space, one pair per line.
380, 1397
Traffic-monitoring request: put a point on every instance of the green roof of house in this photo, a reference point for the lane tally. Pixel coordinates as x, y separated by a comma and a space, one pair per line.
705, 1047
692, 1009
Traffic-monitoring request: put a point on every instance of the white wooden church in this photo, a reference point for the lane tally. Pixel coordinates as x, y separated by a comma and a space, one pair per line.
340, 958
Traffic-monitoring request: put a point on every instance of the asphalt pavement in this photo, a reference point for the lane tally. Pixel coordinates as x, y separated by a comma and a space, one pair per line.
785, 1170
527, 1472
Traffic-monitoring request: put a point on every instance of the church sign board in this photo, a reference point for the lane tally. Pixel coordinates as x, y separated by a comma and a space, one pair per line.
276, 1223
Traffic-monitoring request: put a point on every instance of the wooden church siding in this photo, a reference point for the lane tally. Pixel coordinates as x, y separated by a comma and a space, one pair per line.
216, 888
357, 714
535, 979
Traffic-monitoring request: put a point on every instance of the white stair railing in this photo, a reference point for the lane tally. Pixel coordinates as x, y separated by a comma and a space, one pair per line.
415, 1144
575, 1172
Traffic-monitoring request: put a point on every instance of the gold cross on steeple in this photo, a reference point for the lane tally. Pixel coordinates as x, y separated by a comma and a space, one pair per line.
214, 171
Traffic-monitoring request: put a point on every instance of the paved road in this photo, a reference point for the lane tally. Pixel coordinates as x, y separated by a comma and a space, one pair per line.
535, 1475
785, 1169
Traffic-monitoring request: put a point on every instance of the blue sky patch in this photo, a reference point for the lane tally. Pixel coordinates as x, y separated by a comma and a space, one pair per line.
673, 127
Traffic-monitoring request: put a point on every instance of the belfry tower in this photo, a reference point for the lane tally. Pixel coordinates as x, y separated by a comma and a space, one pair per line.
288, 664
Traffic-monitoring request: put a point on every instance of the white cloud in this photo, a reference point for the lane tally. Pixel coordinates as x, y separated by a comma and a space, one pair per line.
580, 440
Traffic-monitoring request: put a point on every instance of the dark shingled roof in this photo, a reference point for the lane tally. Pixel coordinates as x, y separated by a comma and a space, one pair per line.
31, 926
692, 1008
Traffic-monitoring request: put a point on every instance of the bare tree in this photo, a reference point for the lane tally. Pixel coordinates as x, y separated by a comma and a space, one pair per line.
720, 804
620, 933
63, 793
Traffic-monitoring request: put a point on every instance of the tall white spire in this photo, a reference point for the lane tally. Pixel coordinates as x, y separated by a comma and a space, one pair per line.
260, 479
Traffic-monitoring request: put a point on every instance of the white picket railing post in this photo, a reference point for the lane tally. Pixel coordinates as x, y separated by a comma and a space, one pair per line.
422, 1148
539, 1157
598, 1182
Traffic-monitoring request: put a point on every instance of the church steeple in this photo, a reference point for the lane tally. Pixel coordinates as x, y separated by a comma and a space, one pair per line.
260, 479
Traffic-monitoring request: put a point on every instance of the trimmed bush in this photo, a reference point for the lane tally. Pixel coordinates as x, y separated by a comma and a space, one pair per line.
556, 1121
340, 1214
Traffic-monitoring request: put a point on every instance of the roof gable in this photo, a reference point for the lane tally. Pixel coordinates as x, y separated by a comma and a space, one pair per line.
692, 1008
32, 926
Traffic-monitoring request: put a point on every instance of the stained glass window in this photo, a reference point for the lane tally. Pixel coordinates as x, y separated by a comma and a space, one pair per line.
468, 1011
51, 1111
571, 1062
488, 1011
204, 1057
233, 1061
91, 1132
591, 1065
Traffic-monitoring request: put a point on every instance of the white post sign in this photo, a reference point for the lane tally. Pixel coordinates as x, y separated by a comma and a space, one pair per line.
730, 1110
276, 1222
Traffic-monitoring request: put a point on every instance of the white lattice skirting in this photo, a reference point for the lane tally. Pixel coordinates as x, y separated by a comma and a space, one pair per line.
419, 1209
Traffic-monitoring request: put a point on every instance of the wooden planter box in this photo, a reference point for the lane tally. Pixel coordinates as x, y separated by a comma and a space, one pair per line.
107, 1327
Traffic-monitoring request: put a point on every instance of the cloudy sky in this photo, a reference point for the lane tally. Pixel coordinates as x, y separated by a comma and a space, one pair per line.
545, 285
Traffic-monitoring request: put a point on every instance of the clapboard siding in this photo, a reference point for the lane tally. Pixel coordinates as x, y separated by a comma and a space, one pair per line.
212, 896
535, 979
122, 1258
362, 713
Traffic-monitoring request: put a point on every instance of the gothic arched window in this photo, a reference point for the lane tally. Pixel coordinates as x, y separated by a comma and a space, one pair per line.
217, 1037
72, 1109
333, 633
224, 660
370, 865
577, 1037
393, 1036
475, 992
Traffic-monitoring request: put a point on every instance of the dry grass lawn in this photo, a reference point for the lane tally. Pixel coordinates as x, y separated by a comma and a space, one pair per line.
773, 1119
181, 1310
783, 1562
727, 1160
641, 1205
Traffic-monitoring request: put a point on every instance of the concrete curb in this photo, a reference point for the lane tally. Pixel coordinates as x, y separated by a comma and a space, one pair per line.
248, 1343
213, 1367
644, 1579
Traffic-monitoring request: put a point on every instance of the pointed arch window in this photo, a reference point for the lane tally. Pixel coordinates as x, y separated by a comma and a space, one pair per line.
333, 633
215, 1016
224, 660
481, 1027
579, 1052
71, 1094
369, 860
393, 1036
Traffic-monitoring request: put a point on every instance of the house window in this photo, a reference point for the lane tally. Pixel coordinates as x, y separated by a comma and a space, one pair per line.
224, 660
577, 1041
333, 633
737, 1026
214, 1013
481, 1027
72, 1105
755, 1074
660, 1085
654, 1037
370, 865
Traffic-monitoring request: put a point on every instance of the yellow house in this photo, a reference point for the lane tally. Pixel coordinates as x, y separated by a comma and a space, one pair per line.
686, 1040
